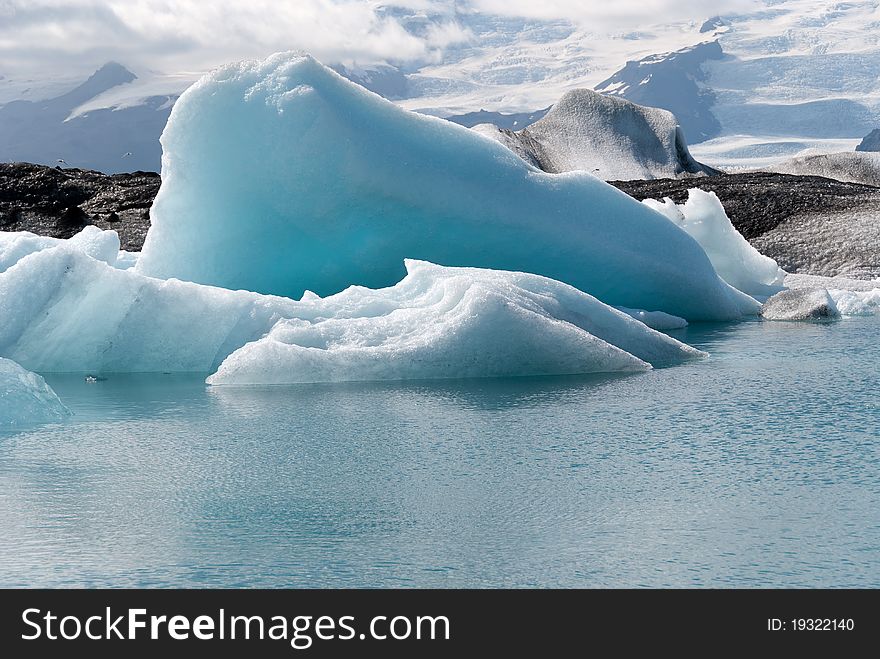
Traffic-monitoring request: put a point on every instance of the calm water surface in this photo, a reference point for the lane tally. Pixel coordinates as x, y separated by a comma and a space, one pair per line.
757, 467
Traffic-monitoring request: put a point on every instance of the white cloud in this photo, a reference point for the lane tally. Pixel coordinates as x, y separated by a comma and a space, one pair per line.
194, 34
38, 36
615, 14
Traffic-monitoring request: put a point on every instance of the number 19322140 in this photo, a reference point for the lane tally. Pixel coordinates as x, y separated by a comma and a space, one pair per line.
811, 625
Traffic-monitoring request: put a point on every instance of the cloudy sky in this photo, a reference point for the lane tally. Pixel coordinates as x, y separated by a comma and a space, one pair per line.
192, 35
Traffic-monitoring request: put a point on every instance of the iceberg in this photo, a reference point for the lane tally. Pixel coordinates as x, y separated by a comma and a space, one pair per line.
851, 297
821, 303
856, 303
450, 323
15, 245
280, 176
735, 260
25, 398
800, 304
608, 136
69, 312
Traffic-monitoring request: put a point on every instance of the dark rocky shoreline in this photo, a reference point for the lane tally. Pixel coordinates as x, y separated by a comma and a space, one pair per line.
759, 202
57, 202
60, 202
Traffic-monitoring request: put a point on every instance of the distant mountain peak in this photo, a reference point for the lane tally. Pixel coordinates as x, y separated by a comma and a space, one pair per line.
871, 141
110, 75
672, 81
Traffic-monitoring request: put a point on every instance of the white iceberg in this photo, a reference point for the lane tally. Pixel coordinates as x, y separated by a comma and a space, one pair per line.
800, 304
821, 303
735, 260
608, 136
856, 303
850, 297
69, 312
25, 398
450, 323
280, 176
101, 245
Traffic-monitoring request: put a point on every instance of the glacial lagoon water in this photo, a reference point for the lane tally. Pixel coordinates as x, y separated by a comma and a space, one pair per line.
757, 467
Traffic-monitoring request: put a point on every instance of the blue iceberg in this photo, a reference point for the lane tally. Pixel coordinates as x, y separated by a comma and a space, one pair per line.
280, 176
25, 398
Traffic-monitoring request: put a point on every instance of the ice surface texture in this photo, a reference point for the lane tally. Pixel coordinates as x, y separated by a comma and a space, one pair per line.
281, 176
735, 260
102, 245
609, 137
822, 303
70, 312
25, 398
800, 304
446, 323
656, 319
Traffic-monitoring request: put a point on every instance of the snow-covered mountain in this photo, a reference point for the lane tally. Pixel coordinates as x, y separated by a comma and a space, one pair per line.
512, 121
774, 80
871, 141
675, 82
74, 130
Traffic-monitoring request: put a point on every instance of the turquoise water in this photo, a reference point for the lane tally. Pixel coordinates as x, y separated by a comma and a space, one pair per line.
757, 467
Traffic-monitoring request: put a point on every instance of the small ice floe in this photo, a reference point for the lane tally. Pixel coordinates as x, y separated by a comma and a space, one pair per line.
811, 297
25, 398
800, 304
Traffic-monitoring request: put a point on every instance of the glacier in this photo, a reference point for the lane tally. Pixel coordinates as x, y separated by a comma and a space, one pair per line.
280, 176
449, 323
71, 312
25, 398
735, 260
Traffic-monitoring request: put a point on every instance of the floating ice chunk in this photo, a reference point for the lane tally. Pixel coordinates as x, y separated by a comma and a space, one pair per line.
851, 297
68, 312
800, 304
735, 260
280, 176
856, 303
450, 323
15, 245
657, 320
25, 398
